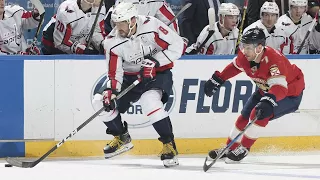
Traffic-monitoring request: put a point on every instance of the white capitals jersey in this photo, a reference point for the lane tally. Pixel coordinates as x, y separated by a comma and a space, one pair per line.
156, 8
153, 37
73, 25
217, 44
275, 39
15, 21
295, 33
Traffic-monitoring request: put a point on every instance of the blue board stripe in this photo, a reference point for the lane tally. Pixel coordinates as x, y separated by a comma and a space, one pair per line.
11, 107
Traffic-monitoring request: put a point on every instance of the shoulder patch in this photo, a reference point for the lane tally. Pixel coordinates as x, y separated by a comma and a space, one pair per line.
274, 70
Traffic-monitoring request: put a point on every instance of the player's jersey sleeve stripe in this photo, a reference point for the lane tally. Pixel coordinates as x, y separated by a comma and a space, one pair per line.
168, 15
162, 43
67, 35
235, 64
278, 80
113, 65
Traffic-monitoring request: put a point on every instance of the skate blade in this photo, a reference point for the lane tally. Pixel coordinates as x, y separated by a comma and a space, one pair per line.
229, 161
170, 162
123, 149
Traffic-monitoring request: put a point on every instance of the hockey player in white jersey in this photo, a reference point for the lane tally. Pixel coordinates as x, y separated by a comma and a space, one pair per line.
156, 8
68, 29
296, 23
13, 21
146, 47
224, 39
269, 14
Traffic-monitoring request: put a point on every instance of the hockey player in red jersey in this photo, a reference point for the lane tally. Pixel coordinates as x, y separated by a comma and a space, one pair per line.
280, 88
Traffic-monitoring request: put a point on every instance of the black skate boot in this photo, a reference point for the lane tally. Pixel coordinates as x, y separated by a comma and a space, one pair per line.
237, 155
121, 143
169, 153
213, 154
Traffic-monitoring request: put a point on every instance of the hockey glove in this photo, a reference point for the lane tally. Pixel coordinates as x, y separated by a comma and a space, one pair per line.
78, 48
148, 70
109, 99
33, 50
266, 106
213, 84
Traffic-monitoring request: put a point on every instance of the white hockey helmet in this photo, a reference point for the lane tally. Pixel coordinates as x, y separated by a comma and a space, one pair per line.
228, 9
298, 3
269, 7
124, 12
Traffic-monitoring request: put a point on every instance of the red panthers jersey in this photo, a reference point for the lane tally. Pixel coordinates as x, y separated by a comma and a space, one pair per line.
276, 75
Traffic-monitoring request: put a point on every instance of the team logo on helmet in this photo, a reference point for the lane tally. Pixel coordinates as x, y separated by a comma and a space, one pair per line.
137, 123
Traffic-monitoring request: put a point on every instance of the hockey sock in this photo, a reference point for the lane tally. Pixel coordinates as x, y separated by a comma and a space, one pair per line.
115, 126
239, 126
253, 133
164, 129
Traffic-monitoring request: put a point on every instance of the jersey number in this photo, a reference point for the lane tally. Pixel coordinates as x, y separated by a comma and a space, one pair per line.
60, 26
163, 30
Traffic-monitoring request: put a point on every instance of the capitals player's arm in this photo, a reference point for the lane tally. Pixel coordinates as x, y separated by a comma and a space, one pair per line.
169, 41
165, 14
99, 32
114, 64
208, 48
62, 32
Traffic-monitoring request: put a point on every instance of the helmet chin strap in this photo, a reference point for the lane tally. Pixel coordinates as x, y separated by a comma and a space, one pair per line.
131, 27
253, 62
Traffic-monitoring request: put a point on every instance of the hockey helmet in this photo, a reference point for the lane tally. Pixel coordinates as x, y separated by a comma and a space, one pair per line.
269, 7
298, 3
228, 9
254, 36
124, 12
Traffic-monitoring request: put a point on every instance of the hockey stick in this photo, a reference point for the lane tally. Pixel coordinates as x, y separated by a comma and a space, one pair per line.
185, 7
37, 4
245, 7
23, 164
206, 166
313, 23
212, 20
89, 38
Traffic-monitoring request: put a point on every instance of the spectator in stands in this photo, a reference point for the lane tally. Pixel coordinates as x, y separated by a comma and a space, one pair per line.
195, 18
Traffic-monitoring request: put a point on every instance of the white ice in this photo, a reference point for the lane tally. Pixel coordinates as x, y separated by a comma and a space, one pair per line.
295, 166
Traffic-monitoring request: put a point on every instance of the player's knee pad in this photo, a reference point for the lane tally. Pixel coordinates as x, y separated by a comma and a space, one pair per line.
104, 115
152, 105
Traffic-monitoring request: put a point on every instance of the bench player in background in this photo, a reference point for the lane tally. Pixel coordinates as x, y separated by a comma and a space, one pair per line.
280, 88
156, 8
145, 46
269, 14
66, 32
224, 39
296, 23
13, 21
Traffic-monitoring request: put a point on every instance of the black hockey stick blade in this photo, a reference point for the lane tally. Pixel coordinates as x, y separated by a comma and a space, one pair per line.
25, 164
206, 166
15, 162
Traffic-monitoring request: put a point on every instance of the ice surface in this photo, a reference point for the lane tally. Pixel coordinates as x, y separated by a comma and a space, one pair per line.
262, 167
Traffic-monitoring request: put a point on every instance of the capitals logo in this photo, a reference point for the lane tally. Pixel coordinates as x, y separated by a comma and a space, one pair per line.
135, 110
